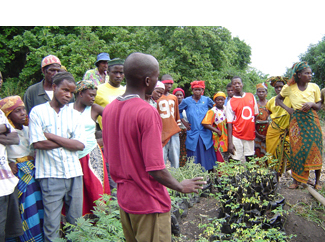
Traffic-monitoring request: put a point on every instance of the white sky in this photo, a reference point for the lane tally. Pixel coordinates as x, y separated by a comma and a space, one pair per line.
278, 31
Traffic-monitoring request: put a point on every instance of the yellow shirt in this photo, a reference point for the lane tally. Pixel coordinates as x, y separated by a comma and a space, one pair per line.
106, 93
278, 114
298, 98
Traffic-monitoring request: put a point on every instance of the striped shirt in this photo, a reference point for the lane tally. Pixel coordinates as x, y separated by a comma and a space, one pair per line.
59, 162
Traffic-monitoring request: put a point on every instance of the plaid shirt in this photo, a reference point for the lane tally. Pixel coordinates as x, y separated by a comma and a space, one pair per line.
59, 162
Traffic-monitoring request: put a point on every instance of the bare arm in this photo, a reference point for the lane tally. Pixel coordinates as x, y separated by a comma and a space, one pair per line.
231, 147
186, 124
96, 110
46, 145
213, 129
185, 186
316, 106
9, 139
279, 101
70, 144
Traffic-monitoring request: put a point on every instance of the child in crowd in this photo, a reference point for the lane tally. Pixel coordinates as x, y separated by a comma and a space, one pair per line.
21, 162
240, 112
230, 93
215, 120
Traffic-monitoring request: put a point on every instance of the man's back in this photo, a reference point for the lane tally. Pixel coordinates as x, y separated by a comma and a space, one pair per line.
132, 143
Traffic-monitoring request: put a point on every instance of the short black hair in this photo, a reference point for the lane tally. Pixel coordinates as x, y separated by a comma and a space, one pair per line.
166, 77
59, 77
229, 85
236, 77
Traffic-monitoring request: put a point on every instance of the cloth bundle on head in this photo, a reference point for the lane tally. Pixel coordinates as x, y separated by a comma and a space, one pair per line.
299, 66
219, 94
275, 79
84, 85
261, 85
116, 61
160, 85
179, 89
198, 84
167, 81
50, 59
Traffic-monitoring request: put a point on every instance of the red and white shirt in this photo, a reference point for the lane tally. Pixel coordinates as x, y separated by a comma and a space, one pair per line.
241, 112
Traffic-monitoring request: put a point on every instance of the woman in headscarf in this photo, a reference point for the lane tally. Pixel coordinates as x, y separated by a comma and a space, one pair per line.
277, 136
305, 131
262, 121
91, 158
215, 120
199, 139
180, 94
21, 162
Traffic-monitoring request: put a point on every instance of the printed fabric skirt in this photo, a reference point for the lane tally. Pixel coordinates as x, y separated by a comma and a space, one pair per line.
205, 157
30, 202
306, 144
278, 145
95, 179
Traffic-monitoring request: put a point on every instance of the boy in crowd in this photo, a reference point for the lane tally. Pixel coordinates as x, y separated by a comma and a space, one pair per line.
241, 111
230, 93
167, 107
57, 133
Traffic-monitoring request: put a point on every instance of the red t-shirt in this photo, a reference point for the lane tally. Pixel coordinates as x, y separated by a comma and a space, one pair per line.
241, 113
132, 147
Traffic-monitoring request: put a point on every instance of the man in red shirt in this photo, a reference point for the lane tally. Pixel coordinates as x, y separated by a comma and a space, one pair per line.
132, 138
241, 111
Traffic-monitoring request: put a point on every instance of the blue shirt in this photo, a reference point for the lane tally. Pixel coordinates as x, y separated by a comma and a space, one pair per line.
195, 112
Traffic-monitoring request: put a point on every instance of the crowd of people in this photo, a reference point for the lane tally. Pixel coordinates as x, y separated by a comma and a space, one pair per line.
66, 143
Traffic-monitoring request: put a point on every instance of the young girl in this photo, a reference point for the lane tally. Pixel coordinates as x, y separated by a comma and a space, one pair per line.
215, 120
21, 162
305, 131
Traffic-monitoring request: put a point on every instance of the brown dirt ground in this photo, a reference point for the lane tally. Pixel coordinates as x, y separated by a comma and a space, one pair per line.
306, 231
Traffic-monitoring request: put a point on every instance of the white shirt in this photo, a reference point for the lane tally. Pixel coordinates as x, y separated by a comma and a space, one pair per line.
59, 162
8, 180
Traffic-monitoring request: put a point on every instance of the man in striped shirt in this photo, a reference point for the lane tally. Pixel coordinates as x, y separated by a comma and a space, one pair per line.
56, 133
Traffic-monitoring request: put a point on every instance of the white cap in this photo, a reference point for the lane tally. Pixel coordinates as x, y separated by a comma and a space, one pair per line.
160, 85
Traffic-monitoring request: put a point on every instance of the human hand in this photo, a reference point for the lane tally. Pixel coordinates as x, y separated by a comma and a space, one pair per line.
13, 167
187, 125
307, 106
192, 185
231, 148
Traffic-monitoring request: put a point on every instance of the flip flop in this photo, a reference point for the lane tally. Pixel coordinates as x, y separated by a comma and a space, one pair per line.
318, 187
293, 186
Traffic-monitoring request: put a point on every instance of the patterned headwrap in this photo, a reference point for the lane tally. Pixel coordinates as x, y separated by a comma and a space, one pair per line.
198, 84
299, 66
160, 85
261, 85
167, 81
179, 89
219, 94
274, 79
84, 85
9, 104
50, 59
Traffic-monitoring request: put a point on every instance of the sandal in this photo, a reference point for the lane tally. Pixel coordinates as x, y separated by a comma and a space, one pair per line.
318, 187
293, 186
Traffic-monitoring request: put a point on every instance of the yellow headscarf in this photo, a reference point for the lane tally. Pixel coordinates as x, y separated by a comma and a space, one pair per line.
219, 94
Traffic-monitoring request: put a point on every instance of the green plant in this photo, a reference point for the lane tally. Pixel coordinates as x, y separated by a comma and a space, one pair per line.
106, 225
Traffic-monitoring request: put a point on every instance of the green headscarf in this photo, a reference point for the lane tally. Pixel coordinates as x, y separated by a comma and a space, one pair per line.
297, 67
84, 85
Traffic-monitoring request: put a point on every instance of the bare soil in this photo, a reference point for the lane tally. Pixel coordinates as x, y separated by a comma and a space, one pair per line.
305, 231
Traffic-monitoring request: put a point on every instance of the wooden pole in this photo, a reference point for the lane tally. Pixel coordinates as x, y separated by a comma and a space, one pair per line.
316, 195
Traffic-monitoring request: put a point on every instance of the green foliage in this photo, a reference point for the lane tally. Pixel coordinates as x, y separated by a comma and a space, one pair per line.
315, 56
239, 198
105, 227
188, 53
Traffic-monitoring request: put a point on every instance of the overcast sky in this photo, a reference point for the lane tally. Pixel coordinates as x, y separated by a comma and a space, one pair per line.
278, 31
